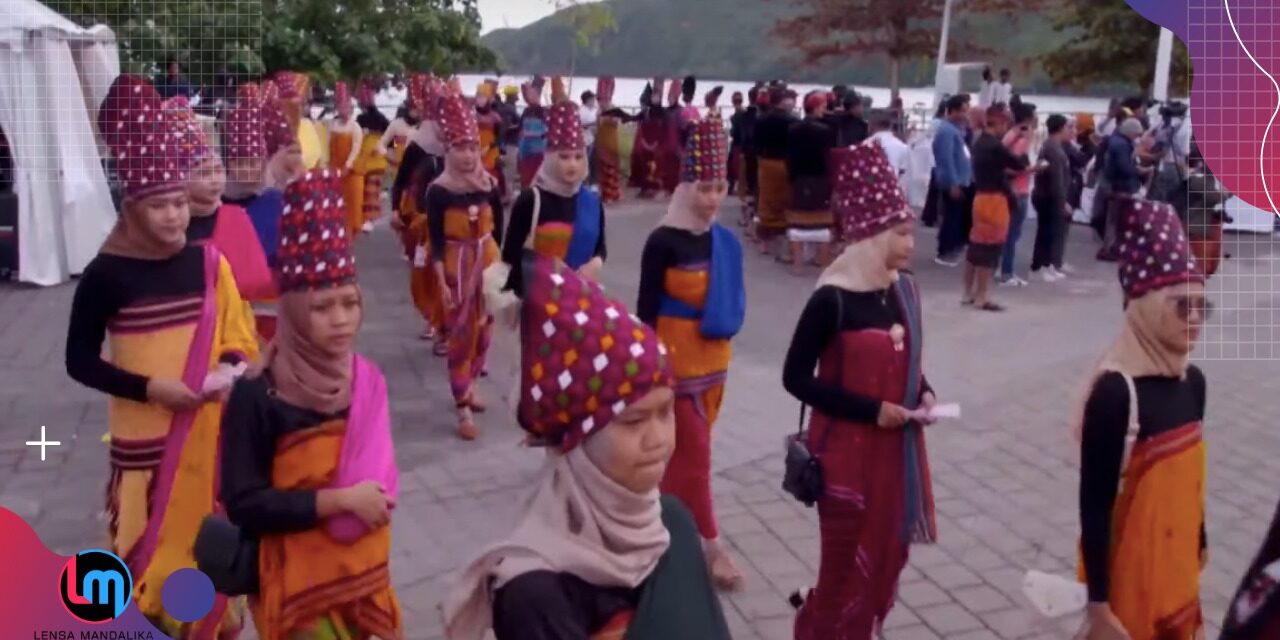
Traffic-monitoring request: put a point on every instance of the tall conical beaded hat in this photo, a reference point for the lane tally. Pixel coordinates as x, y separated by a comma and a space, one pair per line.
705, 155
341, 94
365, 95
242, 132
866, 197
135, 127
1154, 251
417, 90
584, 357
673, 91
293, 85
187, 132
559, 91
277, 131
605, 87
564, 128
457, 121
249, 92
315, 250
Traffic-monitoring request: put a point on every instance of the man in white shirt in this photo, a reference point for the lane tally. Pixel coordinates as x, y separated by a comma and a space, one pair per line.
898, 152
987, 95
1004, 88
589, 113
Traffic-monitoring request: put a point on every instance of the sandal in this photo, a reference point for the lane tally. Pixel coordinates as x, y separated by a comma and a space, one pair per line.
990, 306
472, 403
441, 348
466, 424
724, 572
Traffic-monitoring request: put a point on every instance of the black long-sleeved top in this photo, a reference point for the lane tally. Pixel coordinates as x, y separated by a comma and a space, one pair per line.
746, 125
111, 283
809, 145
771, 134
202, 227
370, 119
438, 200
553, 208
817, 327
1053, 185
850, 129
990, 160
1164, 404
666, 247
252, 423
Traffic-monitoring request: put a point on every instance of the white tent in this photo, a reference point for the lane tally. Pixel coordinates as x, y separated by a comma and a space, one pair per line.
53, 76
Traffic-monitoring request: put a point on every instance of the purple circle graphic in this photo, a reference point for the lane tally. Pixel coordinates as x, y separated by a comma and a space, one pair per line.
187, 595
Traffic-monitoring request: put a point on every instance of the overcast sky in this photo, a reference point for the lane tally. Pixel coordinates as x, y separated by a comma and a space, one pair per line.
498, 14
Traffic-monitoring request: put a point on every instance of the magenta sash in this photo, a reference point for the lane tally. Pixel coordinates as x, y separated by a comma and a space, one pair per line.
367, 450
193, 375
236, 238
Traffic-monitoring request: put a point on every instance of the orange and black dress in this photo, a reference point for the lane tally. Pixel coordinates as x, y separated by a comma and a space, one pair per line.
991, 204
464, 230
569, 229
1141, 542
276, 458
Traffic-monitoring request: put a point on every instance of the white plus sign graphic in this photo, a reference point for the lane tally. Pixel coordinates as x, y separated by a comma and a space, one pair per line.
43, 443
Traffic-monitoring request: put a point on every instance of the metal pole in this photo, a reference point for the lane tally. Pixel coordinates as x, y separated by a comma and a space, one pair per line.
942, 49
1164, 64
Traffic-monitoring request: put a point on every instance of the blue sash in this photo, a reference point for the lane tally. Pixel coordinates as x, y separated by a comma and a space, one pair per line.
919, 525
586, 229
533, 138
725, 308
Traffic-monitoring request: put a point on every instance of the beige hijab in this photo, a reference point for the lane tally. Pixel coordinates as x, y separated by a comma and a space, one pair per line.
1138, 352
550, 177
129, 238
458, 181
681, 213
578, 522
304, 374
861, 266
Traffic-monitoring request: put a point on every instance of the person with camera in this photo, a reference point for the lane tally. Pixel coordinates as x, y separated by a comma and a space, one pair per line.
861, 333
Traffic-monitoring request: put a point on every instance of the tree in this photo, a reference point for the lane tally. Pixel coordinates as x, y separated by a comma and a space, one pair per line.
588, 22
901, 30
1111, 41
327, 39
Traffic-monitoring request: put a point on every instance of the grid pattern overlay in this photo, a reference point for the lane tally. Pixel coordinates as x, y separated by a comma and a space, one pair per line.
1234, 103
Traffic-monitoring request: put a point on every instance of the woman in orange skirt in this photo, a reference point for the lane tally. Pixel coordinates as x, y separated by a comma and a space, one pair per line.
345, 140
1142, 467
464, 213
372, 163
993, 166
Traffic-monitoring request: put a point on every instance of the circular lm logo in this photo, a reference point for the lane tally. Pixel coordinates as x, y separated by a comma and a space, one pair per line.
95, 586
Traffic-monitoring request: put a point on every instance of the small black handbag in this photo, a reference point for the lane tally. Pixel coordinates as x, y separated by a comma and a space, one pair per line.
228, 555
802, 473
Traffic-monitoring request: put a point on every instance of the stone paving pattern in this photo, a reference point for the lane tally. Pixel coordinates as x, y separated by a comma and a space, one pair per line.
1004, 476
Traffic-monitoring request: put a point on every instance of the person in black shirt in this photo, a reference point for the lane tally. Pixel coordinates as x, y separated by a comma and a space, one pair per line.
750, 177
809, 145
1142, 457
735, 141
993, 166
850, 125
771, 139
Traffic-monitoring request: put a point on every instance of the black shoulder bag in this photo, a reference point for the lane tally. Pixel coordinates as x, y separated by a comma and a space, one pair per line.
802, 474
228, 555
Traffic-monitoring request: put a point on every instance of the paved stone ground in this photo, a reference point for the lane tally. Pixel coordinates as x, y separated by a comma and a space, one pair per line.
1004, 475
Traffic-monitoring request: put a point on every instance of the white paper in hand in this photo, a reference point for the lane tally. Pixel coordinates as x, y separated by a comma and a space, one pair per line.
949, 410
420, 256
1054, 596
222, 378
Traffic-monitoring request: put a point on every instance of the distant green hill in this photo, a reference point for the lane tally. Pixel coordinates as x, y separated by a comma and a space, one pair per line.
730, 40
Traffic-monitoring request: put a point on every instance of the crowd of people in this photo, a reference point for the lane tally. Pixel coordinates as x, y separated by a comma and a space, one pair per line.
242, 417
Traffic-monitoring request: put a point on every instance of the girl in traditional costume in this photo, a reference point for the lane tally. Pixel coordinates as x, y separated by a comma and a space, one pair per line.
423, 161
1142, 464
464, 211
644, 153
608, 150
227, 226
295, 98
533, 133
397, 140
346, 137
490, 123
556, 216
861, 332
372, 163
177, 330
771, 138
309, 466
669, 169
597, 554
693, 293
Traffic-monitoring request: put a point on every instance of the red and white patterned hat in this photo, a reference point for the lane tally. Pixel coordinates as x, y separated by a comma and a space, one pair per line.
315, 250
418, 83
242, 132
187, 132
457, 121
366, 93
705, 153
605, 87
584, 357
1154, 251
249, 92
866, 197
293, 85
341, 94
277, 130
564, 128
134, 125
